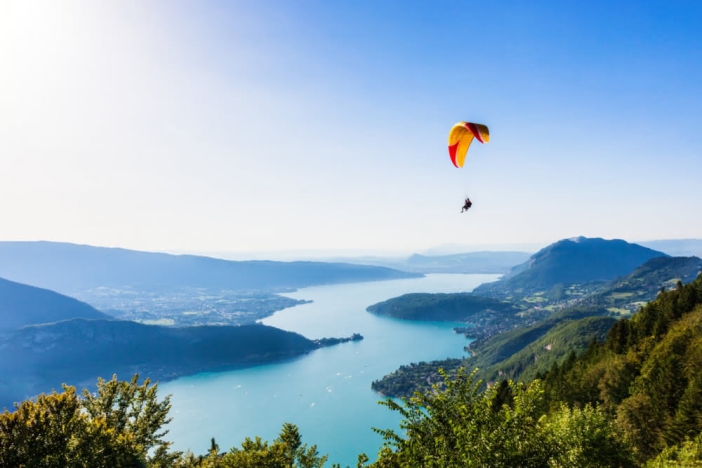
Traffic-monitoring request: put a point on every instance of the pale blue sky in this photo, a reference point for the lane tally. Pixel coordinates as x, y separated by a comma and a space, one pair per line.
312, 124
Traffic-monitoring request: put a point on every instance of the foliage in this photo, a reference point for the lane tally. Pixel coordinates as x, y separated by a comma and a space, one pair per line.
52, 431
647, 374
686, 455
554, 346
132, 410
287, 451
456, 307
457, 425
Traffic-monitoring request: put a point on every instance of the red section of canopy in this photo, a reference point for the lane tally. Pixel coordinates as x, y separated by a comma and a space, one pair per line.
474, 130
452, 152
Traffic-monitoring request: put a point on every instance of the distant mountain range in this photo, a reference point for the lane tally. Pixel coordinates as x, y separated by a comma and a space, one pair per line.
676, 247
466, 262
69, 268
577, 260
22, 305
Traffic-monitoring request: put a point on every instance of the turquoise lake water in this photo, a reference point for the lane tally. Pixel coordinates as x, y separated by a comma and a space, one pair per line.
326, 393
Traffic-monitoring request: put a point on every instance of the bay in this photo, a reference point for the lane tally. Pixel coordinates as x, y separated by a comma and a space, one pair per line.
326, 393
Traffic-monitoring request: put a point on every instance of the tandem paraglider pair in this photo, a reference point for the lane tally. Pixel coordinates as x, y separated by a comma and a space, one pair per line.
459, 140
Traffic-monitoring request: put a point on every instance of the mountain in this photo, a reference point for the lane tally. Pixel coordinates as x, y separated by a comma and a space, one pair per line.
466, 262
471, 262
451, 249
569, 261
518, 347
22, 305
676, 247
68, 268
37, 358
572, 327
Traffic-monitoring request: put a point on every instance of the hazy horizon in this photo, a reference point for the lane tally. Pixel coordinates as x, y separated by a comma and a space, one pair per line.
677, 247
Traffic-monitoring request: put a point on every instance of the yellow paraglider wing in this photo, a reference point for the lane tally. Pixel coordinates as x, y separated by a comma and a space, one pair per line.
460, 138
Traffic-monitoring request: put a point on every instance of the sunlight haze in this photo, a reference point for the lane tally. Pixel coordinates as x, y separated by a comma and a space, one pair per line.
273, 125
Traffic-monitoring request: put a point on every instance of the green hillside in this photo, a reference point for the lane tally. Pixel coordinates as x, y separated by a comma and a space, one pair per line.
507, 345
554, 346
647, 374
506, 354
458, 307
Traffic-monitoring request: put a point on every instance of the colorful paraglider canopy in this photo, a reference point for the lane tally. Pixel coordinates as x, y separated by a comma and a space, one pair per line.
460, 138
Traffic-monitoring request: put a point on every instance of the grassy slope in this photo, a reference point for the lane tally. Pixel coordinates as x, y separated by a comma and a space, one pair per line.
554, 346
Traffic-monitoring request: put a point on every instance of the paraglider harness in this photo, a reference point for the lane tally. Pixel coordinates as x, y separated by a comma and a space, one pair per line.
467, 205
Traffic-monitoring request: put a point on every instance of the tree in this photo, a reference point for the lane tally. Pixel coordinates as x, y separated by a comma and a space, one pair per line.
585, 438
53, 431
457, 425
134, 410
287, 451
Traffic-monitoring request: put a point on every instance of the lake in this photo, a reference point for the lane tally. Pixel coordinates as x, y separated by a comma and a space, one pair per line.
326, 393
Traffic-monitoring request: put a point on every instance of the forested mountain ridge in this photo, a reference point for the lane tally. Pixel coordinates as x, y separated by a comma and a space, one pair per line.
68, 268
560, 340
676, 247
440, 307
22, 305
569, 261
647, 374
40, 357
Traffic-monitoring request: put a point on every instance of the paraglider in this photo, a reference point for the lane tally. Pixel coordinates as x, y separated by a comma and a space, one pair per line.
459, 140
